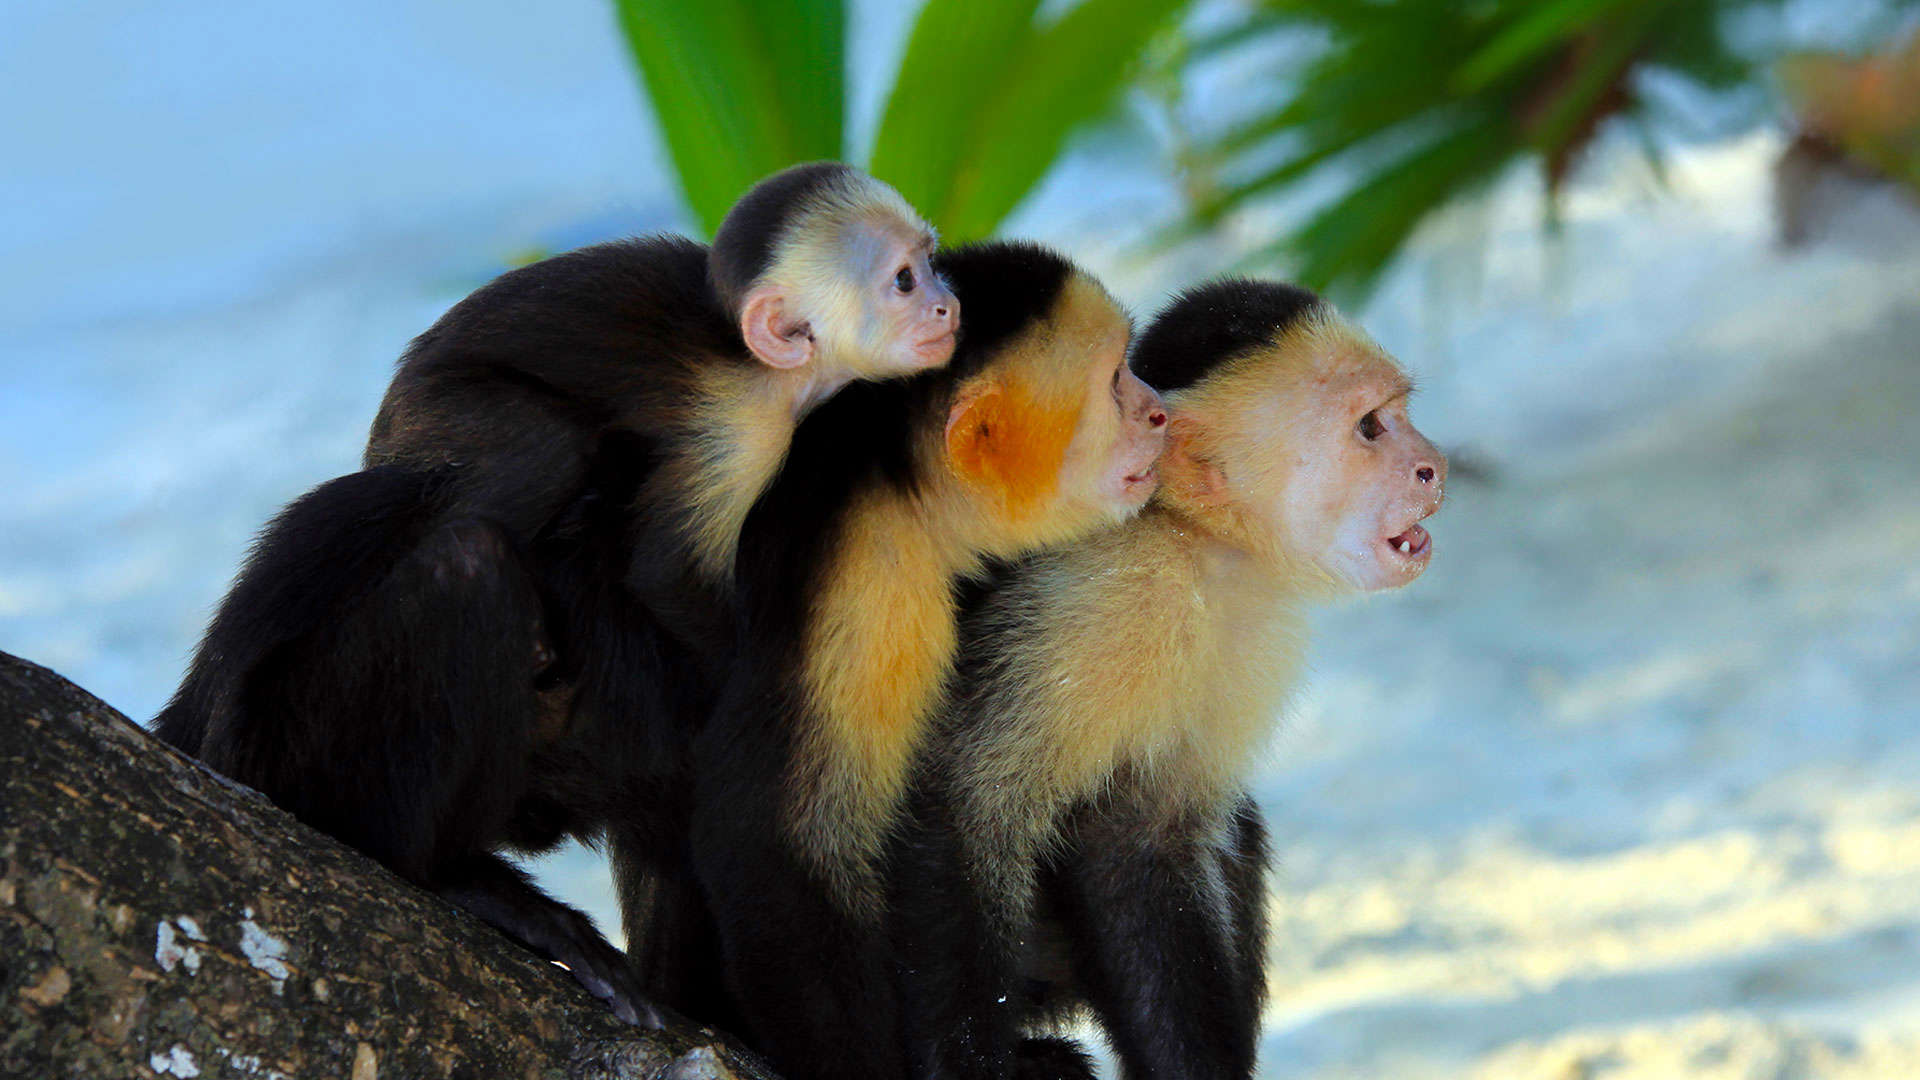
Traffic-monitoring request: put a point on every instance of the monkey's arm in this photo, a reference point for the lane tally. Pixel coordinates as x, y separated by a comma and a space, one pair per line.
1167, 928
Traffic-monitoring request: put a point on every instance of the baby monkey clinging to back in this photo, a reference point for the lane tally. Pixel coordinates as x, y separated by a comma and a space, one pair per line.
659, 356
1090, 778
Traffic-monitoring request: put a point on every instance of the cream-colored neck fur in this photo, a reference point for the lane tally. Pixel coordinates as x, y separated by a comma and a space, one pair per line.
738, 429
1155, 650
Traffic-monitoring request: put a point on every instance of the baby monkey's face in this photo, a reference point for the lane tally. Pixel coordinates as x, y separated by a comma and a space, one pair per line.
911, 318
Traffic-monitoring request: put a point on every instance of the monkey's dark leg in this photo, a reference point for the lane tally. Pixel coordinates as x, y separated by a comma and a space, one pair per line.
373, 671
1156, 945
1245, 858
402, 723
422, 707
317, 558
671, 937
960, 984
817, 989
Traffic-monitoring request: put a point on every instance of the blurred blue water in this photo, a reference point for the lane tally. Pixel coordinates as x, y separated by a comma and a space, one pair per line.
163, 157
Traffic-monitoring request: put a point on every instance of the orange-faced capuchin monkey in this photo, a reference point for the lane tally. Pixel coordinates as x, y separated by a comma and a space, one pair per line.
496, 634
1086, 799
1037, 433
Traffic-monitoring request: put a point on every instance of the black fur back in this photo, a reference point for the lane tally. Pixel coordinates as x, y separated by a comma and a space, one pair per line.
587, 325
1212, 323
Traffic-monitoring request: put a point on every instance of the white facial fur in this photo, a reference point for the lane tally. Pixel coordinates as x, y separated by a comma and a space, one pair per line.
1122, 430
899, 316
1311, 442
1364, 477
852, 292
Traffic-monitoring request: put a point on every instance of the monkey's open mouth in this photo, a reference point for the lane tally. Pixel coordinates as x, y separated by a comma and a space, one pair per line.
1411, 544
1144, 476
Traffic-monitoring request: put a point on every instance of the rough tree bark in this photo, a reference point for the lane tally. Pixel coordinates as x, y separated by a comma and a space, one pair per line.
158, 920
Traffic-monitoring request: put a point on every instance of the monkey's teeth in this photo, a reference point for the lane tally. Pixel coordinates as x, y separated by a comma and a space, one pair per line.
1406, 547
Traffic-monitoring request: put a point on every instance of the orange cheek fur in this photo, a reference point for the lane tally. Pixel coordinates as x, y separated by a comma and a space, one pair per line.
1014, 445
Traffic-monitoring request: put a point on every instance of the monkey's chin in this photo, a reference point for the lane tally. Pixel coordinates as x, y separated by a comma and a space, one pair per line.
935, 352
1134, 490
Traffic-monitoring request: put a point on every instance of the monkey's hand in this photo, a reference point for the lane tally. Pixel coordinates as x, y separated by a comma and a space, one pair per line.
502, 897
1052, 1059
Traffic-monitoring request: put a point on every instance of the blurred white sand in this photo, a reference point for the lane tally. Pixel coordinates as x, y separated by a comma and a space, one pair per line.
1625, 786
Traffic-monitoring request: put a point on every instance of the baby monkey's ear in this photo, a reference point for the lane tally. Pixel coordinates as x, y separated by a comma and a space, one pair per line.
1194, 479
777, 336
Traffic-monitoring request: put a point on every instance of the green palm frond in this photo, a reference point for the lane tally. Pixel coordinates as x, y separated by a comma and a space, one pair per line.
1413, 104
988, 95
982, 105
740, 88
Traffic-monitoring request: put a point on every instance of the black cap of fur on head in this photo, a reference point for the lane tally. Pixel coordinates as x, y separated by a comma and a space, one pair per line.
1003, 285
1212, 323
751, 233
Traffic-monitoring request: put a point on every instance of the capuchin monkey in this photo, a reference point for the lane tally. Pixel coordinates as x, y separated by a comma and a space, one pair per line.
492, 636
1082, 829
693, 365
893, 493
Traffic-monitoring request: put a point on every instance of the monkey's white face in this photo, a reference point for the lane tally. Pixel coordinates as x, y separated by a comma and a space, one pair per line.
906, 318
1122, 430
1362, 478
861, 302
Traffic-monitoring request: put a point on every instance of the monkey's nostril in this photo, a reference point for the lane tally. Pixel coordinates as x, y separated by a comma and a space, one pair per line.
940, 312
1157, 418
1425, 473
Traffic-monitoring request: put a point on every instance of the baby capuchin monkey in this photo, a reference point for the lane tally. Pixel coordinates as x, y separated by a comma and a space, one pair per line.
494, 635
1036, 434
694, 365
1085, 799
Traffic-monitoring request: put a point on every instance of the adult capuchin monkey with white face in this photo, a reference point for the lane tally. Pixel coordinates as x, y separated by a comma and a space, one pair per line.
494, 635
1082, 828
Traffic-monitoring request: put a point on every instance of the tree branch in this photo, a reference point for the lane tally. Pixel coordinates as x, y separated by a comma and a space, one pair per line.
159, 920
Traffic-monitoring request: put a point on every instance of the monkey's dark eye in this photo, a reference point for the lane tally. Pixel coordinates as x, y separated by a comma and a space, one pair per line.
904, 279
1370, 427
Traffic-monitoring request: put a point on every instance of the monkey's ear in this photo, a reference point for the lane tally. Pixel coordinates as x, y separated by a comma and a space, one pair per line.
973, 445
1195, 479
999, 442
779, 340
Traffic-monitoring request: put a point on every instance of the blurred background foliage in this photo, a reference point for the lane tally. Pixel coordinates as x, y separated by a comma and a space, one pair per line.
1390, 110
982, 102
